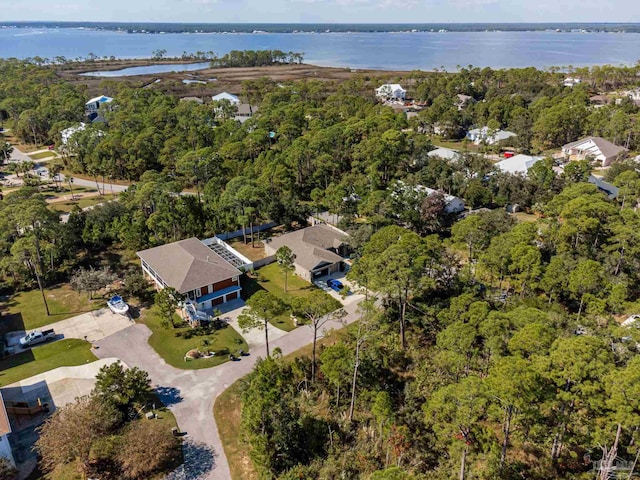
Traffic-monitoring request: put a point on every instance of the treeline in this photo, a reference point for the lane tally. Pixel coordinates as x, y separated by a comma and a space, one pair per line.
532, 103
255, 58
495, 354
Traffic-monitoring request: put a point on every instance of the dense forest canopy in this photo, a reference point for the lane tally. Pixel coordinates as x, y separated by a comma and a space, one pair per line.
494, 349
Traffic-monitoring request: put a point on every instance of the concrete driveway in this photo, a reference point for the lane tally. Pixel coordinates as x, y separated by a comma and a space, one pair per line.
254, 337
59, 386
91, 326
190, 394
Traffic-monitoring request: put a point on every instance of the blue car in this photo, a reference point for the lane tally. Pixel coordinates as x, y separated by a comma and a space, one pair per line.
335, 285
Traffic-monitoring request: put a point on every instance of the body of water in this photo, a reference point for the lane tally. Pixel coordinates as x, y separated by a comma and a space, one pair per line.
150, 70
380, 50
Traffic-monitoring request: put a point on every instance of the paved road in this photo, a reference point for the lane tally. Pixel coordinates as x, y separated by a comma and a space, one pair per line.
106, 188
190, 394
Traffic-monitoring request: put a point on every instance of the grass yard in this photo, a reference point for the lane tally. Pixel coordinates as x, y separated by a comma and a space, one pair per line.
271, 278
82, 202
50, 193
227, 411
173, 343
26, 309
63, 353
456, 145
247, 250
42, 155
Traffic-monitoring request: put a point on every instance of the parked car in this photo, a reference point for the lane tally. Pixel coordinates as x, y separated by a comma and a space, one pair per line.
335, 285
51, 147
37, 336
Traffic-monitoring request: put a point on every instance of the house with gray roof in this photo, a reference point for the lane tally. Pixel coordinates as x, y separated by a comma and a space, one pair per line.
193, 269
489, 136
319, 250
594, 148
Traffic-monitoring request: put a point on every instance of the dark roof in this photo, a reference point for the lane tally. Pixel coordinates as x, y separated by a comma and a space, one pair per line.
310, 245
188, 264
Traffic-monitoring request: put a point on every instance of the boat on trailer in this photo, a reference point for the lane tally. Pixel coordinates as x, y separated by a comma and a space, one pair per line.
117, 305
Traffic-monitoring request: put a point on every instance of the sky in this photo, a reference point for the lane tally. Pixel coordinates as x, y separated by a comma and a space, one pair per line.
330, 11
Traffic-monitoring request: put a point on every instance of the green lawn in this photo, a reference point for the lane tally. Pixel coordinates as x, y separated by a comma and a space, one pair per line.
42, 155
173, 343
51, 193
26, 309
63, 353
271, 278
82, 203
227, 411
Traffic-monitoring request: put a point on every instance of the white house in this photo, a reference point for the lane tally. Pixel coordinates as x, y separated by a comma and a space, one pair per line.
391, 91
226, 96
571, 82
5, 430
95, 106
452, 204
489, 136
596, 148
66, 134
518, 164
444, 153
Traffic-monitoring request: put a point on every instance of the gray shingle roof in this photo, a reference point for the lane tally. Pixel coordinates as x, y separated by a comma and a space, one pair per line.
310, 245
607, 148
188, 264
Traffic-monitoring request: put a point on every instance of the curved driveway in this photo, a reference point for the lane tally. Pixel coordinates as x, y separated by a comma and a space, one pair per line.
190, 394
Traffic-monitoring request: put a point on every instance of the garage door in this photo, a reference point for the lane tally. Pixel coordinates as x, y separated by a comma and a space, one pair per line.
321, 273
218, 301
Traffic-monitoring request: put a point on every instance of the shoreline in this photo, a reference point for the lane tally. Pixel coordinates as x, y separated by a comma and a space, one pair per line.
160, 28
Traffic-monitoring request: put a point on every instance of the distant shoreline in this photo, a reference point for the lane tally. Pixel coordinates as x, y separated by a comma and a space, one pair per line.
320, 28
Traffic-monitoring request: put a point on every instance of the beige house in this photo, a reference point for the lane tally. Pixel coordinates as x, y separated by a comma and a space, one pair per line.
319, 250
594, 148
194, 270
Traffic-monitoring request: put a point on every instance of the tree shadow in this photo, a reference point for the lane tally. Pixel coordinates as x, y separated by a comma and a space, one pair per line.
169, 395
199, 460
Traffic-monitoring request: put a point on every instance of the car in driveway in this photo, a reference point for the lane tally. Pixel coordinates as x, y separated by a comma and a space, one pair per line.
335, 285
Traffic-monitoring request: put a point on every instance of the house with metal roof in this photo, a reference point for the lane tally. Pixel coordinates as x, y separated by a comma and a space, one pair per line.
319, 250
444, 153
391, 91
489, 136
226, 96
194, 270
596, 149
518, 164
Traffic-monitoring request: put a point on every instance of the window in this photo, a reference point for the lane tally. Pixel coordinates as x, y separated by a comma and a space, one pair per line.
234, 279
198, 292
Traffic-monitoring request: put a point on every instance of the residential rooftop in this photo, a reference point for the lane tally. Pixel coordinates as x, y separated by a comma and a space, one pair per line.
188, 264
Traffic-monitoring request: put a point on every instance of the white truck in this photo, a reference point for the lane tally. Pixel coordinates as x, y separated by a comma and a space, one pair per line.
37, 336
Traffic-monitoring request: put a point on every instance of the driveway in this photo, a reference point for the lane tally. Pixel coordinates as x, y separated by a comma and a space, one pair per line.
254, 337
91, 326
190, 394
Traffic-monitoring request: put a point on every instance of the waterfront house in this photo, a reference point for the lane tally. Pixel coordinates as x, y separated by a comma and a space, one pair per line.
597, 149
194, 270
489, 136
319, 250
518, 164
391, 92
226, 96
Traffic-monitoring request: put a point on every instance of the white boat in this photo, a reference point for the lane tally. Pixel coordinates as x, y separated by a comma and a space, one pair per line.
118, 305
